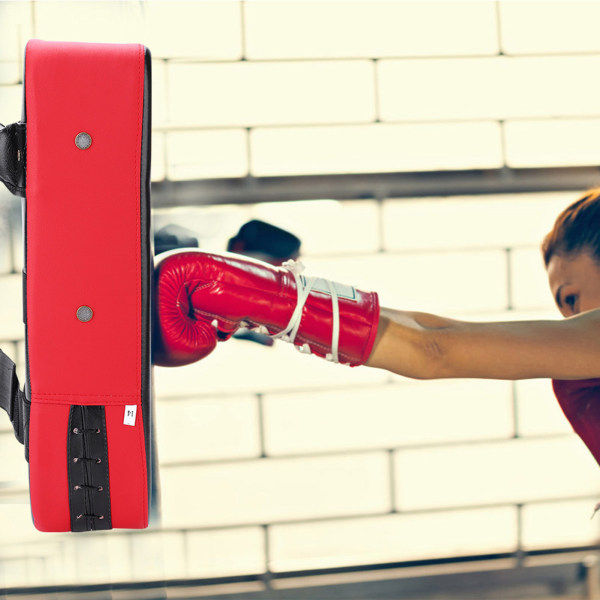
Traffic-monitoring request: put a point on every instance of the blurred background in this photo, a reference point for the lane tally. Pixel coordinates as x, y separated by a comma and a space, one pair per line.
421, 149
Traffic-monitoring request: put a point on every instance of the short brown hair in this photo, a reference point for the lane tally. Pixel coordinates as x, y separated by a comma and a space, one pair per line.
576, 229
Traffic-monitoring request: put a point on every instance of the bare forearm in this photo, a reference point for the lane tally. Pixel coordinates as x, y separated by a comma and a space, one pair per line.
425, 346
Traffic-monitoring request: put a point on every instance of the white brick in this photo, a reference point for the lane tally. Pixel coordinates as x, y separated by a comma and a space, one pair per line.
204, 30
250, 94
471, 221
157, 160
503, 472
488, 88
15, 30
19, 358
530, 288
430, 282
392, 538
5, 240
16, 220
13, 573
228, 552
326, 226
411, 413
119, 556
17, 526
157, 556
206, 154
538, 412
14, 466
29, 571
102, 21
375, 148
241, 366
11, 316
68, 563
215, 428
91, 559
5, 425
552, 143
159, 93
369, 29
270, 489
30, 564
569, 26
559, 525
104, 557
11, 103
10, 72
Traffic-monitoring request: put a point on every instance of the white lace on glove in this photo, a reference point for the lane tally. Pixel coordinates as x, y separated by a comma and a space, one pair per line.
303, 291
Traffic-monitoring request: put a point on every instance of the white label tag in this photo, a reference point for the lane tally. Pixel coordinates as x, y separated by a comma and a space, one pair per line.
130, 412
343, 291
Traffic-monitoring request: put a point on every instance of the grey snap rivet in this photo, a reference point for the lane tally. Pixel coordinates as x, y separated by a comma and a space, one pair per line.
83, 140
84, 314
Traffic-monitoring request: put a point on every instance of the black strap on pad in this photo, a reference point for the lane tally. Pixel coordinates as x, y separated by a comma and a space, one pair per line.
11, 397
13, 157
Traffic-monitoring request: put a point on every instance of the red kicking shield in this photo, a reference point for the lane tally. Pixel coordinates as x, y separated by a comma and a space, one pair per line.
85, 415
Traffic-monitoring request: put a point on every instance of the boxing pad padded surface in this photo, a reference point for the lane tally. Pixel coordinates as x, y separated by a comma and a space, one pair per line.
87, 282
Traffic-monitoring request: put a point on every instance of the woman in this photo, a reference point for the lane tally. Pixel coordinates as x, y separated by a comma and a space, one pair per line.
203, 298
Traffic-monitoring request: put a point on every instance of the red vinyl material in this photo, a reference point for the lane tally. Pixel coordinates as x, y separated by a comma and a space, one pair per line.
196, 287
83, 249
580, 402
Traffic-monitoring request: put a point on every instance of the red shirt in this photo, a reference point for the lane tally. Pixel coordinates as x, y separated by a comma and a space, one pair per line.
580, 401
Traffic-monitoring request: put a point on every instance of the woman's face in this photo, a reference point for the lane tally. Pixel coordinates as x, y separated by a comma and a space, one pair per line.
574, 282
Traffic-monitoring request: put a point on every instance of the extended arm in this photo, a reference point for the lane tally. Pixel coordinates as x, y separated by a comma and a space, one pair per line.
202, 298
425, 346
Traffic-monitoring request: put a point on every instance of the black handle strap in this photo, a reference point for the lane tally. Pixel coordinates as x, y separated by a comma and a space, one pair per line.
11, 397
13, 139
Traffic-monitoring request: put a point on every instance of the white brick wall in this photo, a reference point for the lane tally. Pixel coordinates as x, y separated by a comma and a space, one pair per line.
552, 143
216, 428
276, 93
292, 88
570, 522
368, 29
567, 26
498, 472
387, 416
392, 538
375, 148
206, 154
276, 64
488, 88
267, 490
537, 411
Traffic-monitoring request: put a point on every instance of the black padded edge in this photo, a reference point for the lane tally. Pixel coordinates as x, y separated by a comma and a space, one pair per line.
27, 384
147, 273
87, 456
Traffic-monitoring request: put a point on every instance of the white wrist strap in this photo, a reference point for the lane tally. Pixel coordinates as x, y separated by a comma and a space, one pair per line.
303, 290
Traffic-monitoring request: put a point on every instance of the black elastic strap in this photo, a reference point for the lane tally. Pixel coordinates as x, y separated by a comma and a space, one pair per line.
13, 139
11, 397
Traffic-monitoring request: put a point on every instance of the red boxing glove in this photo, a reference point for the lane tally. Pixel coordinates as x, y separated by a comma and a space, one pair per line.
202, 298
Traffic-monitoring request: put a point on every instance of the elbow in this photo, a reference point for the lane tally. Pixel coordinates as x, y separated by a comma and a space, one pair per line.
432, 351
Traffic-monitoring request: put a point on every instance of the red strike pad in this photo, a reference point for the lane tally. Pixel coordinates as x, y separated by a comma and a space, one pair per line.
83, 249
